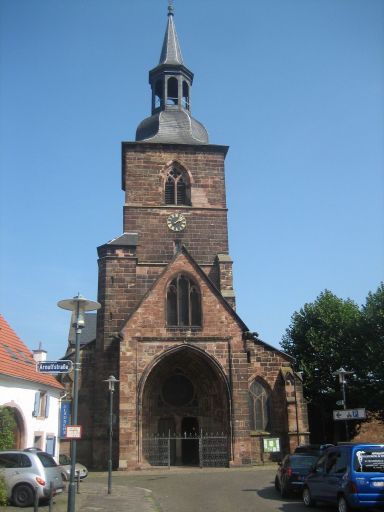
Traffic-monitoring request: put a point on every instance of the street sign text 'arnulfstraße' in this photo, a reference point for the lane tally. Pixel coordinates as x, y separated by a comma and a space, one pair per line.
63, 366
349, 414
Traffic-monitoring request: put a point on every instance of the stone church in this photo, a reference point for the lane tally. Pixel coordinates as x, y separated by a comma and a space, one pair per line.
196, 387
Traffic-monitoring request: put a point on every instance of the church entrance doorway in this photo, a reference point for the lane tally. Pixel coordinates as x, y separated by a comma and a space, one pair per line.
185, 404
190, 443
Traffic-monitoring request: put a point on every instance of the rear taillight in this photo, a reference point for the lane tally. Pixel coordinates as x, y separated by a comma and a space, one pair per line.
40, 480
288, 471
352, 487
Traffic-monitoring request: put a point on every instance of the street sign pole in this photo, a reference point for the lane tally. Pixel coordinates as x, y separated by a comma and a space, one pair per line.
345, 407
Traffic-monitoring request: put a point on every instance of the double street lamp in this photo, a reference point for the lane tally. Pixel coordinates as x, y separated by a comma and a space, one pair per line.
341, 373
78, 305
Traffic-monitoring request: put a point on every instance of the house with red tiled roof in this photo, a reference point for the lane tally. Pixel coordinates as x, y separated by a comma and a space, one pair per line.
33, 397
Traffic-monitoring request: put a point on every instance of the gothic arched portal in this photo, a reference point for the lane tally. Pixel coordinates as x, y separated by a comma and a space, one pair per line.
185, 393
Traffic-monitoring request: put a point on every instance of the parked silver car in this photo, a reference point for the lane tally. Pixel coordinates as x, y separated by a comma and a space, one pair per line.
65, 463
27, 472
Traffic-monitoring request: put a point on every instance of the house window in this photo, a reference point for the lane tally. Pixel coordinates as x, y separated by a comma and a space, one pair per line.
259, 406
183, 302
176, 188
41, 405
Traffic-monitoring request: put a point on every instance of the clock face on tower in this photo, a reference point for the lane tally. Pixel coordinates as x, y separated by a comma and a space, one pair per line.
176, 222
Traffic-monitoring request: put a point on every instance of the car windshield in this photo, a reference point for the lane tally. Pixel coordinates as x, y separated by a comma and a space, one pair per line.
302, 461
46, 460
369, 460
64, 459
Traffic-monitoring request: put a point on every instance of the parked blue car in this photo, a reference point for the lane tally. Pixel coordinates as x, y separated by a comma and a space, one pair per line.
350, 476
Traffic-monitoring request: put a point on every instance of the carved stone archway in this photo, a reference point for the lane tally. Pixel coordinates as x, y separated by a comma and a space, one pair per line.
184, 393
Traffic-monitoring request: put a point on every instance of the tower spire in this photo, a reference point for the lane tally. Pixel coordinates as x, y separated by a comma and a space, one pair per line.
170, 52
171, 83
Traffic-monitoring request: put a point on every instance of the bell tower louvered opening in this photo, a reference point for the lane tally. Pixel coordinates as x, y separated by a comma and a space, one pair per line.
176, 190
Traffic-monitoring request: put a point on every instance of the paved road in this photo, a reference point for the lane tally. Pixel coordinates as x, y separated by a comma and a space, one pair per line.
215, 490
181, 490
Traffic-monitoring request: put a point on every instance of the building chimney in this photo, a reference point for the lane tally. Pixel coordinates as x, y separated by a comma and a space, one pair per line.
39, 355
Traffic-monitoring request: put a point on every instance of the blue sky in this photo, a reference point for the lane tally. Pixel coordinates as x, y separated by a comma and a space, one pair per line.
294, 87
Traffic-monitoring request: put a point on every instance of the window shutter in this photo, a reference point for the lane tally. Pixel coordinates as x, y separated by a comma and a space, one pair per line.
36, 406
47, 400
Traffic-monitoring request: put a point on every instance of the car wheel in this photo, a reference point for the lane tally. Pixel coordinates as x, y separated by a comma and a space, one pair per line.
277, 486
23, 495
283, 491
307, 498
342, 505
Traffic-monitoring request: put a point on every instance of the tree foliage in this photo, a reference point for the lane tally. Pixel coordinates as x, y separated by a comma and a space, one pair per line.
330, 333
7, 428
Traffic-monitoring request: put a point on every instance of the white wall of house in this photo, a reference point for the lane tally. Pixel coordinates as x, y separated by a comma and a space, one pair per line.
39, 424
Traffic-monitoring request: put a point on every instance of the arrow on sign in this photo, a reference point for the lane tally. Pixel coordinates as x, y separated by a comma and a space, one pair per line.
349, 414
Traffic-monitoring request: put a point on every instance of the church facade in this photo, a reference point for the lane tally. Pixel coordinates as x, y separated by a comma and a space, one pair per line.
196, 387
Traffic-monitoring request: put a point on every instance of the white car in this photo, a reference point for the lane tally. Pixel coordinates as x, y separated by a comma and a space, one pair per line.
29, 471
65, 463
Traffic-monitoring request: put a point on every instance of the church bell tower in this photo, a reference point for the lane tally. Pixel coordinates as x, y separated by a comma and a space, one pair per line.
174, 196
167, 328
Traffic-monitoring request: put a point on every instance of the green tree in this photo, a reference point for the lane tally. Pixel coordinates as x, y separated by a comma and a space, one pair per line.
369, 384
330, 333
322, 337
7, 428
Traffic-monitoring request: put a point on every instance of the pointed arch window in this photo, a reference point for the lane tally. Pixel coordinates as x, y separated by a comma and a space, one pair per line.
172, 96
259, 406
176, 188
183, 303
159, 93
185, 97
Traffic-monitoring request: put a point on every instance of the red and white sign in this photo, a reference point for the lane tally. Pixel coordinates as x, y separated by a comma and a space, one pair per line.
73, 432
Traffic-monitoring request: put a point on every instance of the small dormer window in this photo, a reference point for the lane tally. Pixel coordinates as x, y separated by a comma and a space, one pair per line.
176, 187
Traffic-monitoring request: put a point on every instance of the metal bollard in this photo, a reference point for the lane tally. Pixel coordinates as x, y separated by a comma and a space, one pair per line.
50, 496
78, 482
36, 501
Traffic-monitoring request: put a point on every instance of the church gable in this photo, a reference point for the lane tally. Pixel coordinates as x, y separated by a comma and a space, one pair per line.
183, 302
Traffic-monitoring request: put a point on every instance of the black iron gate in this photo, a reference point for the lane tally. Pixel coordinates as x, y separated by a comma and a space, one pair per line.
203, 449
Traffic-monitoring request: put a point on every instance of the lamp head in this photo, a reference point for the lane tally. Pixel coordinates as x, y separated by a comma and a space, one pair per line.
341, 373
78, 305
111, 382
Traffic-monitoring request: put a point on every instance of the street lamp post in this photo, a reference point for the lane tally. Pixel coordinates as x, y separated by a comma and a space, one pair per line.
111, 386
78, 305
341, 373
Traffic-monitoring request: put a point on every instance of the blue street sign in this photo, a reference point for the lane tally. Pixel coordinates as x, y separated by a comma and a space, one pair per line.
54, 366
65, 416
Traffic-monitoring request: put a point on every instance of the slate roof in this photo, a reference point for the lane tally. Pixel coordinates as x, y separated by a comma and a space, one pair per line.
172, 126
16, 359
170, 52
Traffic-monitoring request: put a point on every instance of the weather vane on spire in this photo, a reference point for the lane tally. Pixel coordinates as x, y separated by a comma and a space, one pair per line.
170, 7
